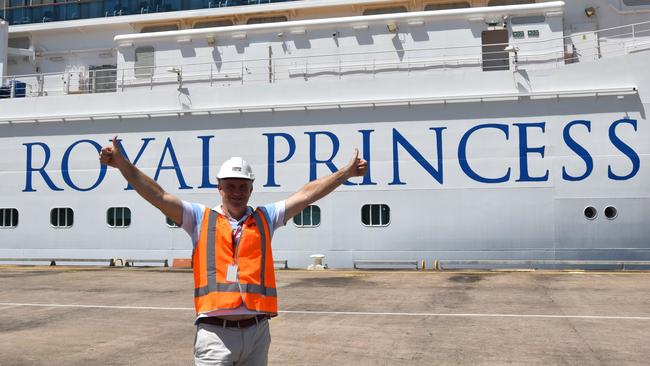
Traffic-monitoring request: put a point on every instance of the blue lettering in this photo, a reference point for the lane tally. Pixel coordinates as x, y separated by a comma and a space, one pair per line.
137, 157
398, 139
65, 165
462, 154
29, 170
169, 147
313, 162
205, 161
579, 150
270, 178
625, 149
367, 180
524, 150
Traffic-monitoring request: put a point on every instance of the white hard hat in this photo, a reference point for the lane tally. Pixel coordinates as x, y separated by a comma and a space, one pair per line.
236, 167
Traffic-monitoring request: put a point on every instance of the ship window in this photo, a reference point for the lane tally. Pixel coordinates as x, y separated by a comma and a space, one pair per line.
8, 218
457, 5
170, 222
213, 23
118, 217
309, 217
636, 2
159, 28
19, 42
590, 212
144, 62
61, 217
611, 212
274, 19
510, 2
375, 215
390, 10
531, 19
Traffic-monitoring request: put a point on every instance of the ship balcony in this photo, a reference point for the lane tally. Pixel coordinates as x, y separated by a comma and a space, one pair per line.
295, 69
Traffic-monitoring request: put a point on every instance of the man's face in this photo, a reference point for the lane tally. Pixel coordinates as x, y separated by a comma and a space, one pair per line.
235, 192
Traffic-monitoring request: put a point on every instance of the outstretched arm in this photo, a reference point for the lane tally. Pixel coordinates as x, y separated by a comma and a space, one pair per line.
146, 187
315, 190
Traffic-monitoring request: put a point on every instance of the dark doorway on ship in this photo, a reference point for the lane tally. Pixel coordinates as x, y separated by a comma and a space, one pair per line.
495, 57
103, 79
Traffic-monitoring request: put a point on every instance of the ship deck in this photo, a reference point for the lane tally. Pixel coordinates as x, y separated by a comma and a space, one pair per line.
144, 316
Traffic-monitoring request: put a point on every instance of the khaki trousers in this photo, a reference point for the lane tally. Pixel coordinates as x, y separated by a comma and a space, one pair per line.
215, 345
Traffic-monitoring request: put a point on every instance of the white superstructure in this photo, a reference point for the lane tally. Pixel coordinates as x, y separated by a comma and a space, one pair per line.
504, 132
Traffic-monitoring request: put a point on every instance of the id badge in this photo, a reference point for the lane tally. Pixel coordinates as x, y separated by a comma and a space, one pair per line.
231, 275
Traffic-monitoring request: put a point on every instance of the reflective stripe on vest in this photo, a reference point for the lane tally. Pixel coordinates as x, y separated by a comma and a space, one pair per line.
261, 229
211, 249
234, 287
262, 296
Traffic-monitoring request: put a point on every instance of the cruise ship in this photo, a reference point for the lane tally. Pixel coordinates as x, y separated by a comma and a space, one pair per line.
495, 130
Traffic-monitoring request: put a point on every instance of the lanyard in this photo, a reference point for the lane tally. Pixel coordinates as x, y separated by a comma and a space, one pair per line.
236, 235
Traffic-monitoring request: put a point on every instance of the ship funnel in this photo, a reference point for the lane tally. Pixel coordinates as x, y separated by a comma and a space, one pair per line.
4, 36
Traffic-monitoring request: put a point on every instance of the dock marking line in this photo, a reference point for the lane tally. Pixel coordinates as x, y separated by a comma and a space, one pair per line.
360, 313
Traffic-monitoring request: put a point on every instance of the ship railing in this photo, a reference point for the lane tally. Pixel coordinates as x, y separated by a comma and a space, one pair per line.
229, 73
50, 84
223, 73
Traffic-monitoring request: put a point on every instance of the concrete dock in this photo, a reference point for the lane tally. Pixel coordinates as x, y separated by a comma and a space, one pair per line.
144, 316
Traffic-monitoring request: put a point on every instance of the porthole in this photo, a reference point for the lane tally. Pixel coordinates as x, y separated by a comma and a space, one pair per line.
8, 218
62, 217
118, 217
590, 212
375, 215
309, 217
611, 212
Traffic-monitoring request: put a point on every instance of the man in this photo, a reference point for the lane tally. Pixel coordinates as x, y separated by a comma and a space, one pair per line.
234, 283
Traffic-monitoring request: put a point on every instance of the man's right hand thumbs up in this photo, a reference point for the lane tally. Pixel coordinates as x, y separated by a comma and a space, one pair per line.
112, 155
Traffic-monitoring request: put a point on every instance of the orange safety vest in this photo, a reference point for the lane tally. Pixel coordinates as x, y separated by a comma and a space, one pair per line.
215, 251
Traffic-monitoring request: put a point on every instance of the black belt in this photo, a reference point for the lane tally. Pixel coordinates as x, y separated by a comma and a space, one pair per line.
244, 323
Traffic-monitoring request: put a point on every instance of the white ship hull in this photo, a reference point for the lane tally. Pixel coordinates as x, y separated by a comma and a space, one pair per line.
473, 165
